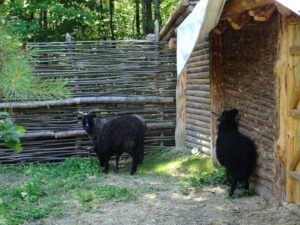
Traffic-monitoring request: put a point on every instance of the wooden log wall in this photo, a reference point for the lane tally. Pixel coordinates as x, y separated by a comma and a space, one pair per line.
117, 77
198, 109
249, 56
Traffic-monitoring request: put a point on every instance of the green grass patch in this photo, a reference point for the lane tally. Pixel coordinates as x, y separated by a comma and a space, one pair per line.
46, 187
192, 171
43, 190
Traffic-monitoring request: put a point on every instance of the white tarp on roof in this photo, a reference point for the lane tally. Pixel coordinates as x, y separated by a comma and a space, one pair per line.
293, 5
196, 27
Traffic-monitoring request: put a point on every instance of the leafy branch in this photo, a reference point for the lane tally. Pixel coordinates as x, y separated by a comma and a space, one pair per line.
10, 133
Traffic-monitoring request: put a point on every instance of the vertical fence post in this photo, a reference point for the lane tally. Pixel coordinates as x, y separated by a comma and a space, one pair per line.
71, 52
156, 30
162, 133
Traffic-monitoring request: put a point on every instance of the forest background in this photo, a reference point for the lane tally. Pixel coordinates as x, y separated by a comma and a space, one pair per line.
50, 20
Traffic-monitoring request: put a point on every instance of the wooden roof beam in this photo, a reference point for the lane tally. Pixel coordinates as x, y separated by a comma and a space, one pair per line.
221, 27
239, 6
180, 8
262, 14
239, 22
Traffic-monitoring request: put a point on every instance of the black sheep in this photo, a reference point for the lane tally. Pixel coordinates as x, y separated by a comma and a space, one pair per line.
235, 151
115, 136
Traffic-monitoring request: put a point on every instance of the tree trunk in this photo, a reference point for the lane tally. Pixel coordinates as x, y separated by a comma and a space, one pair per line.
137, 17
101, 27
111, 14
157, 11
147, 16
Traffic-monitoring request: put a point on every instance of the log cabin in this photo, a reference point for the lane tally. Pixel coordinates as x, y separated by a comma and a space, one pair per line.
249, 60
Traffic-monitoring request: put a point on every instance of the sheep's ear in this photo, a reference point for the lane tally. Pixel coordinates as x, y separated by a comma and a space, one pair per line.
235, 111
79, 117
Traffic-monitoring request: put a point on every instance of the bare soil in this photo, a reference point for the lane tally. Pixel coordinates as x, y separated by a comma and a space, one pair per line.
167, 205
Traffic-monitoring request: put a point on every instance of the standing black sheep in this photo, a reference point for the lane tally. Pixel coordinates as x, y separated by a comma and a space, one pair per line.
115, 136
235, 151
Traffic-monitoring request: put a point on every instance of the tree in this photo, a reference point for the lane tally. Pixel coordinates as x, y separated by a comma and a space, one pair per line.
147, 16
137, 17
111, 22
157, 11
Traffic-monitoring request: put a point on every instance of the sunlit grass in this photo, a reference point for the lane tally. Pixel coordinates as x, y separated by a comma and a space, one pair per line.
44, 190
192, 171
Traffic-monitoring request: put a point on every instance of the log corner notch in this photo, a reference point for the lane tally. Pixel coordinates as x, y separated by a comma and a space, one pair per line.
239, 12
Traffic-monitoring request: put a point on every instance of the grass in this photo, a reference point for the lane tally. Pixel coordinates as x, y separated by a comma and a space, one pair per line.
44, 190
46, 187
192, 171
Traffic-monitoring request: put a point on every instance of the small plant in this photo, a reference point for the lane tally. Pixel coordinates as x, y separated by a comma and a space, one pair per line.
18, 81
10, 133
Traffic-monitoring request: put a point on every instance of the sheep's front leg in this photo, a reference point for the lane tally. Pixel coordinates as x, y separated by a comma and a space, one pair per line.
117, 163
228, 179
246, 185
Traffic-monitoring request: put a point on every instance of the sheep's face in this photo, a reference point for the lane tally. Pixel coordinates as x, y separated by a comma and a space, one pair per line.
229, 116
87, 121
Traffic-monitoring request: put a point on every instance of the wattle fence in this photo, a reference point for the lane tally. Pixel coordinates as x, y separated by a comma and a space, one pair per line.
116, 77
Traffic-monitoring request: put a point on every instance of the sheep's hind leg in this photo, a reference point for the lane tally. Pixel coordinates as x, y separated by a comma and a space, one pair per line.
106, 167
135, 161
117, 163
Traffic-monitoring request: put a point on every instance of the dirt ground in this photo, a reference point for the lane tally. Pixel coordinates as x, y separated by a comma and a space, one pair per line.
167, 205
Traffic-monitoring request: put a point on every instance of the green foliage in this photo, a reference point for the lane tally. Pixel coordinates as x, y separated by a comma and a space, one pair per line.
193, 170
83, 19
18, 81
10, 133
47, 188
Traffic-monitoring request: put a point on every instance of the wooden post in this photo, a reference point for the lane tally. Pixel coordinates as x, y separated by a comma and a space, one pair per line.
180, 132
217, 89
156, 30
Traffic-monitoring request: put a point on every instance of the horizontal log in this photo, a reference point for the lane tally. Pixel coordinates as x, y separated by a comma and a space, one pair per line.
180, 8
197, 105
198, 123
196, 58
199, 135
294, 113
198, 82
78, 133
295, 175
87, 100
197, 93
204, 119
198, 112
202, 100
198, 75
194, 86
198, 129
204, 149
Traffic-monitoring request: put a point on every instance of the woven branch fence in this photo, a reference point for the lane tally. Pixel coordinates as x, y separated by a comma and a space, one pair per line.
116, 77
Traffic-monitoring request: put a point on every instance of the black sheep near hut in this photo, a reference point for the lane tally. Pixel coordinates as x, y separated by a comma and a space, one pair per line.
114, 136
235, 151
